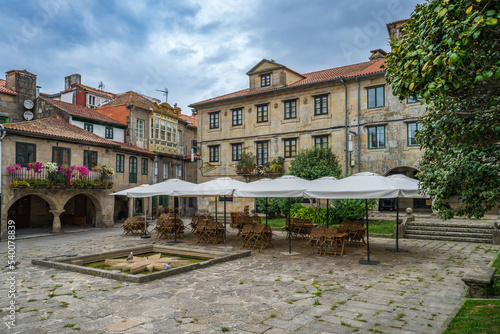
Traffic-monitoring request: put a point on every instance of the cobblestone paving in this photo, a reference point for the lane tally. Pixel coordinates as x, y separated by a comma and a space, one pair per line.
268, 292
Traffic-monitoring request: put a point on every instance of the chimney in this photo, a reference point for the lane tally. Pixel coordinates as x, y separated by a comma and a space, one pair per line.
377, 54
72, 80
395, 29
177, 110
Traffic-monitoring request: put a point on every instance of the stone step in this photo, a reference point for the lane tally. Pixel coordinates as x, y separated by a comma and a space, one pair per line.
469, 234
453, 224
448, 229
448, 238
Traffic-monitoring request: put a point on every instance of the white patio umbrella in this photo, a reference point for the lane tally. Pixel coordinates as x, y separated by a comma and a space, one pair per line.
408, 187
328, 181
125, 191
285, 186
163, 188
222, 186
358, 186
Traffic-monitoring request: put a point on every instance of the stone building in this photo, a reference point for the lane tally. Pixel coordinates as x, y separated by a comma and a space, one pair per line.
17, 95
349, 109
55, 203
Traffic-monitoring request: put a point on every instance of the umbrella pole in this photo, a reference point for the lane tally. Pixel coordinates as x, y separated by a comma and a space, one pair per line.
368, 241
176, 201
216, 198
224, 220
397, 249
266, 210
145, 235
327, 215
289, 229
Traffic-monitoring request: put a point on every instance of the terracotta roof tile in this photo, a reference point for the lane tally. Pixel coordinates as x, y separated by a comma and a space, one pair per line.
81, 111
348, 71
134, 98
5, 90
97, 91
57, 127
191, 119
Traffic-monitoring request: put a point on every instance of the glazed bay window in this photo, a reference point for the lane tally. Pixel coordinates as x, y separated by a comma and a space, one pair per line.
169, 131
376, 136
174, 132
290, 109
132, 170
213, 153
321, 105
265, 80
321, 141
120, 163
262, 113
157, 128
290, 147
262, 152
214, 120
61, 155
376, 97
412, 128
236, 151
139, 128
237, 116
90, 159
108, 132
25, 153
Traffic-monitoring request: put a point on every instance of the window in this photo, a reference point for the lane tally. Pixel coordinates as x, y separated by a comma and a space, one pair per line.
89, 127
262, 115
90, 159
214, 120
61, 155
410, 100
91, 100
25, 153
376, 136
139, 128
290, 109
157, 129
132, 170
321, 105
163, 127
179, 136
321, 141
290, 147
120, 163
165, 171
262, 152
152, 128
237, 149
376, 97
412, 128
108, 132
237, 117
144, 166
174, 132
214, 153
265, 80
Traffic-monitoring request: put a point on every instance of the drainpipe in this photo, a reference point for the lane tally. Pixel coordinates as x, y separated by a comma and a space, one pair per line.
346, 131
359, 133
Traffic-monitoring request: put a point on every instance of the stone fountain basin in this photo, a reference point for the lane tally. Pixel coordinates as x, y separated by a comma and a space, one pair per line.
76, 263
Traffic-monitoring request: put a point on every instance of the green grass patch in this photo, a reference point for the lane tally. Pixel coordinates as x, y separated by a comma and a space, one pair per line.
277, 222
496, 263
476, 317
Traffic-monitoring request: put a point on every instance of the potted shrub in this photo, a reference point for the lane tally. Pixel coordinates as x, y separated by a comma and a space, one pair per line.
246, 163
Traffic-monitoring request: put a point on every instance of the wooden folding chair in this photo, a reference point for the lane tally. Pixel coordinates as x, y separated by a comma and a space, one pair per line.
316, 240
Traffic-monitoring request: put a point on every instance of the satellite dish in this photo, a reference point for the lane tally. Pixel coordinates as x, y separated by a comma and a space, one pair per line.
28, 104
28, 115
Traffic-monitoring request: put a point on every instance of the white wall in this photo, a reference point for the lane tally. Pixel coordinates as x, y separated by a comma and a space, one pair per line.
118, 133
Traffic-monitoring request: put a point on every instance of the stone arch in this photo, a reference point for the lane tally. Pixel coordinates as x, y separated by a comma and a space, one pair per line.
94, 217
29, 210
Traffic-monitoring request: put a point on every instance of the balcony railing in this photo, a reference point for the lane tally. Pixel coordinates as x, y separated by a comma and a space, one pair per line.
24, 178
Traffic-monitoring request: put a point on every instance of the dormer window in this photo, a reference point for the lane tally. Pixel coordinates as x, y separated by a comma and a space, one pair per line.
265, 80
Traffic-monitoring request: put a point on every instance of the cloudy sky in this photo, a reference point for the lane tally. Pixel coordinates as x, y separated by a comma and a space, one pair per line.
198, 49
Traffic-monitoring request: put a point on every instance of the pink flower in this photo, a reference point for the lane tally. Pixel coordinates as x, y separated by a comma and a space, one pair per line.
82, 171
12, 168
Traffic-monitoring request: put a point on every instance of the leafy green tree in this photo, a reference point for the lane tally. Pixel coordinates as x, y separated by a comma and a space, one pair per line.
449, 56
312, 163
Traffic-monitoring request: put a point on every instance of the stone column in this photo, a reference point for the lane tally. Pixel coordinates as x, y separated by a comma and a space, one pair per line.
56, 224
130, 206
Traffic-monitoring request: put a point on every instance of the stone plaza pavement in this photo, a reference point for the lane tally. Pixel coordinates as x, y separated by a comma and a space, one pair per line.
268, 292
